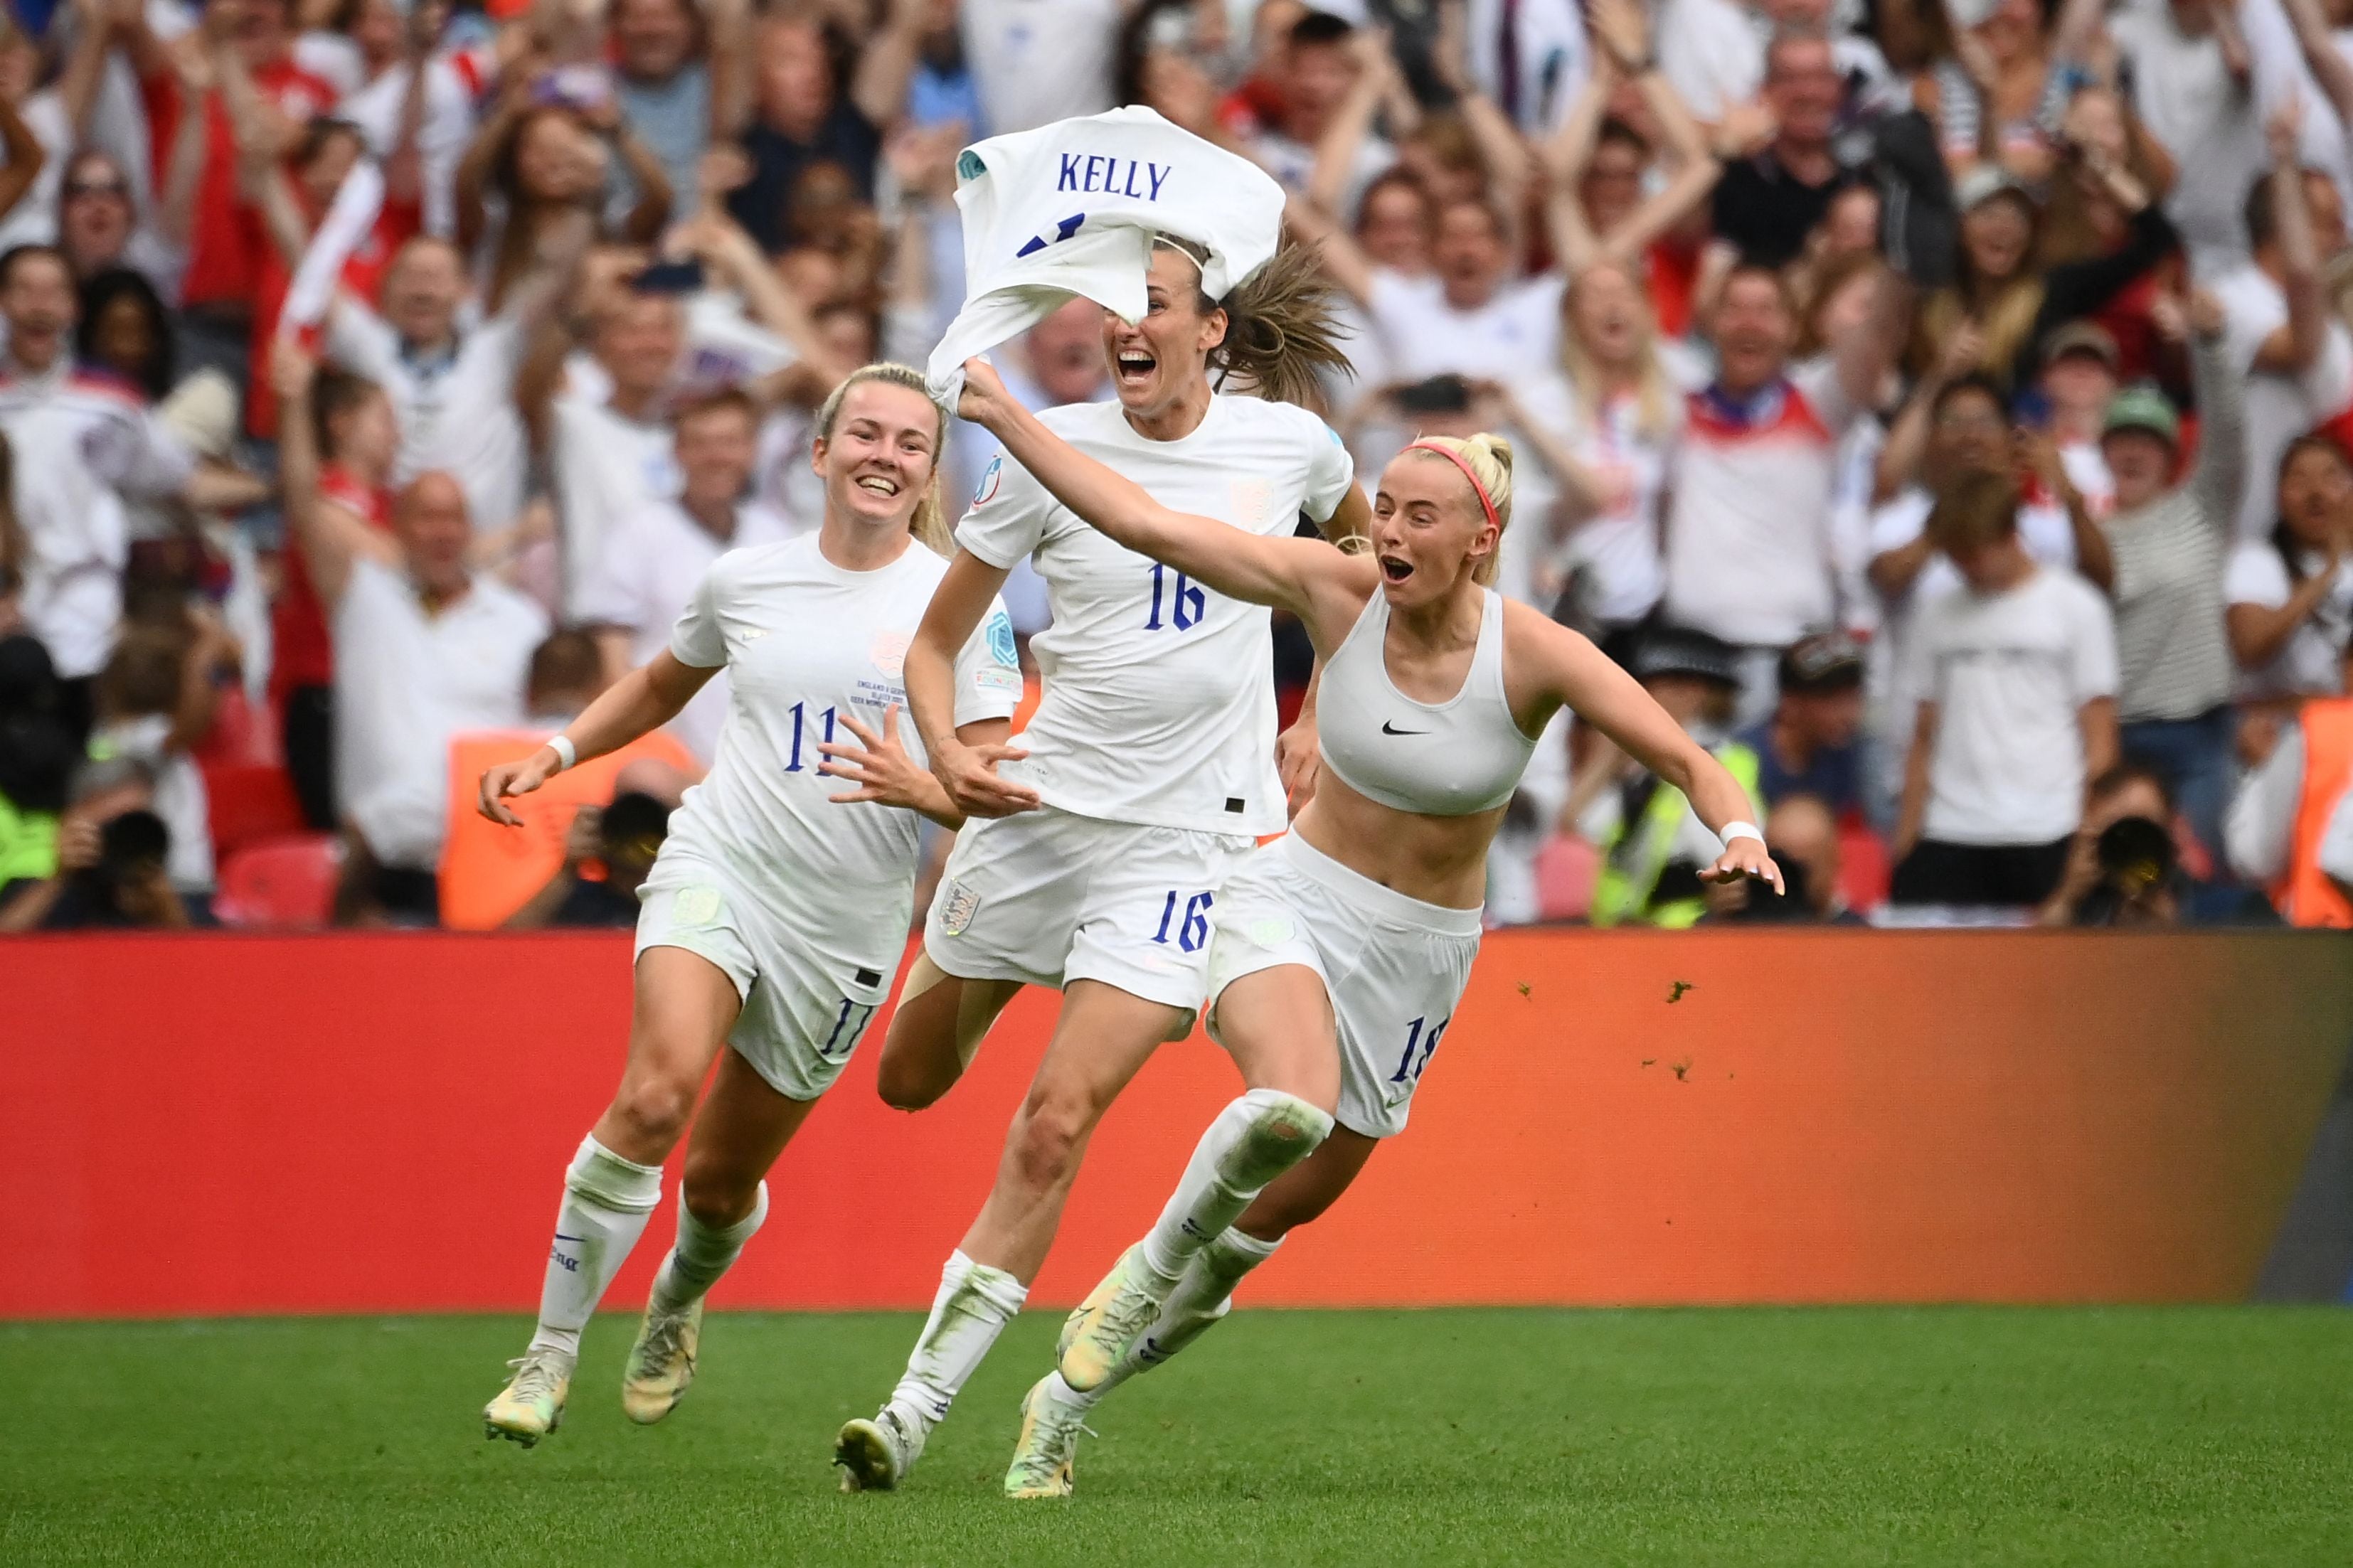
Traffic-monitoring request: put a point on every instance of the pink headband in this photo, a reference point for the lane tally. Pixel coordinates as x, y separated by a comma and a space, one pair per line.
1456, 459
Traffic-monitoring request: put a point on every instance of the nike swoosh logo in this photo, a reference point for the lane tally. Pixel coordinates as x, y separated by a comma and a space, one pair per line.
1389, 728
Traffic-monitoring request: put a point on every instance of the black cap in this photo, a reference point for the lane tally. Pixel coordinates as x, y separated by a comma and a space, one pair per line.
1826, 661
1677, 650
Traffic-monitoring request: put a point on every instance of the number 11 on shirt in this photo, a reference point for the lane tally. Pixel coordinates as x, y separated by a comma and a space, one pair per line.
793, 766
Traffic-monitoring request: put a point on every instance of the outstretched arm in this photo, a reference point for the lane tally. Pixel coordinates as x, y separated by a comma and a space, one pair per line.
1567, 669
638, 704
1281, 572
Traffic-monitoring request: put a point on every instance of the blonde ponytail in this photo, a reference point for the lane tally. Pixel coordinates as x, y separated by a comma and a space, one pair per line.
929, 524
1485, 462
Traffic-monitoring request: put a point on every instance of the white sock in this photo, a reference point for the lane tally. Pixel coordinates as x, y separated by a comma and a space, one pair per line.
1253, 1140
702, 1253
1202, 1297
972, 1307
606, 1202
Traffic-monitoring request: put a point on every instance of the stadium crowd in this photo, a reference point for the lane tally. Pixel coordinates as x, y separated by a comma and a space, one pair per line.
1944, 406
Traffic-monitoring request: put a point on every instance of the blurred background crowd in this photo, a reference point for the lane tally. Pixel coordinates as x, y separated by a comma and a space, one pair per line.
1942, 405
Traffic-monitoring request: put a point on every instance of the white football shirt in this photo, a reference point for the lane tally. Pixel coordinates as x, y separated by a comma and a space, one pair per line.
653, 561
608, 468
804, 641
1159, 701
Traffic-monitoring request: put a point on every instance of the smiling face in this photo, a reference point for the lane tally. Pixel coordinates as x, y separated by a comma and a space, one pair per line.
1429, 531
2140, 462
421, 290
1470, 253
1995, 233
2315, 484
38, 301
1605, 313
717, 446
1393, 227
640, 344
430, 521
879, 459
1971, 434
1159, 361
1753, 330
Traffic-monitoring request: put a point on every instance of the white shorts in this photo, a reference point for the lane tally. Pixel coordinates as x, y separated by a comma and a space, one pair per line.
807, 994
1394, 967
1047, 897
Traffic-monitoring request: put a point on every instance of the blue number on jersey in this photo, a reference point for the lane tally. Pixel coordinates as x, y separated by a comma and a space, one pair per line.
1186, 606
1062, 231
1193, 931
1409, 1069
793, 766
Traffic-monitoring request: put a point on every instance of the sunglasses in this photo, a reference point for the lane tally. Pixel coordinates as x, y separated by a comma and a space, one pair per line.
98, 188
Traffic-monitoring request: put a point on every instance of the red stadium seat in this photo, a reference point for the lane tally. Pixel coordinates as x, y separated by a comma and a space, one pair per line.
240, 733
288, 881
250, 801
1566, 870
1863, 868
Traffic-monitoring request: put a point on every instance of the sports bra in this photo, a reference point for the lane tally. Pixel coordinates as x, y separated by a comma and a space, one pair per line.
1453, 758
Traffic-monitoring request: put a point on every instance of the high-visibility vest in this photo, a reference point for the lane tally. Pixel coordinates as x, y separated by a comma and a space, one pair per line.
488, 870
2304, 895
1635, 853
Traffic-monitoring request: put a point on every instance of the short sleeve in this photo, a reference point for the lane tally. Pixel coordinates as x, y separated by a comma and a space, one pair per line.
133, 451
2329, 384
989, 669
697, 639
609, 594
1331, 472
1897, 523
2092, 662
1818, 382
2336, 852
358, 339
2256, 576
1919, 662
1008, 514
2253, 308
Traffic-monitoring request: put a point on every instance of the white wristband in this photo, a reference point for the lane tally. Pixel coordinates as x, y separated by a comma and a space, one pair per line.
567, 754
1732, 830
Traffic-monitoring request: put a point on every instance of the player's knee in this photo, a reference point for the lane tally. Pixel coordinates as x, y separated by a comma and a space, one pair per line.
908, 1081
1045, 1145
715, 1193
653, 1111
1279, 1130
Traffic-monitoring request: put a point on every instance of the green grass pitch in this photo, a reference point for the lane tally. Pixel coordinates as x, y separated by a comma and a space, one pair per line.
1974, 1435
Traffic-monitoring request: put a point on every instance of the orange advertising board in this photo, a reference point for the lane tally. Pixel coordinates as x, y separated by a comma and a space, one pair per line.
381, 1122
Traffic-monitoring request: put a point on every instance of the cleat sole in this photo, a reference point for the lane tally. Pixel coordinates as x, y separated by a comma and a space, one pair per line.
864, 1457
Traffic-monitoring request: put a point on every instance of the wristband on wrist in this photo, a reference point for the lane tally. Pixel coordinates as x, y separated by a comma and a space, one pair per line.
1732, 830
567, 754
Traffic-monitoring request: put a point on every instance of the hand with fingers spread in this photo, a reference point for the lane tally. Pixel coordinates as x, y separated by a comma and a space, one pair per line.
1744, 856
878, 765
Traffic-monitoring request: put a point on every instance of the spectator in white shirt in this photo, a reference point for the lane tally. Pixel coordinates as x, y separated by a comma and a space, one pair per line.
426, 648
82, 441
2294, 355
2288, 599
2016, 671
2291, 826
654, 558
1037, 61
612, 455
452, 384
1319, 71
1749, 551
